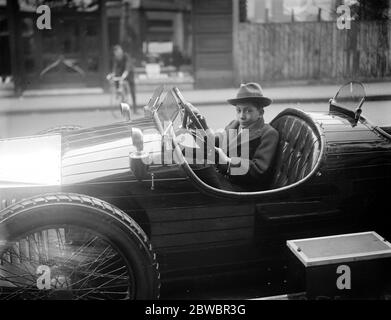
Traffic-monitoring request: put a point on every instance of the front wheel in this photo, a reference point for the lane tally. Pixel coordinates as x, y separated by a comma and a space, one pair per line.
68, 246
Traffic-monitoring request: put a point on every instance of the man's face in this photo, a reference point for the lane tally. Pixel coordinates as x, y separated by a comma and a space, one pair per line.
118, 53
247, 113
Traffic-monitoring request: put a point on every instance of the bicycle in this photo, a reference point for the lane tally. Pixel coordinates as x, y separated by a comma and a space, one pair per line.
120, 91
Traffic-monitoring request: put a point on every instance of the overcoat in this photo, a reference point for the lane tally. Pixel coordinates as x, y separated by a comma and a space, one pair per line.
261, 142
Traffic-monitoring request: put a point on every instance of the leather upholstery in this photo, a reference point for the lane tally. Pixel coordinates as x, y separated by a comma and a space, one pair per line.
298, 149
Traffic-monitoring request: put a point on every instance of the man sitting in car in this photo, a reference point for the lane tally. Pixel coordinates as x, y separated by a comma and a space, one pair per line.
251, 144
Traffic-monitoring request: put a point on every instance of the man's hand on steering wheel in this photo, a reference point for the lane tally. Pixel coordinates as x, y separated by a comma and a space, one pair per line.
196, 119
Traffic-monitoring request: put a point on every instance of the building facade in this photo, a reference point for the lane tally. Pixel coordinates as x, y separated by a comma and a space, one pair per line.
70, 51
191, 41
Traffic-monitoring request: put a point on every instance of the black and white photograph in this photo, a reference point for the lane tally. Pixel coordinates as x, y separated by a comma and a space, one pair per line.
203, 156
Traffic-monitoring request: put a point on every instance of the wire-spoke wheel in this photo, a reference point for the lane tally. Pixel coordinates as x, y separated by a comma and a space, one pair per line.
69, 249
64, 262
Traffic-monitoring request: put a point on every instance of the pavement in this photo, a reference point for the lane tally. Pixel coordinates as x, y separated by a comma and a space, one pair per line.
80, 100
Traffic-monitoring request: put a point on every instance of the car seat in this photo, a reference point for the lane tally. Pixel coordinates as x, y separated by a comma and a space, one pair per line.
299, 147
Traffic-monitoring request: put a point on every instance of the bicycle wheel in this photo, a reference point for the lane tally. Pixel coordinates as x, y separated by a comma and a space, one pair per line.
115, 101
126, 93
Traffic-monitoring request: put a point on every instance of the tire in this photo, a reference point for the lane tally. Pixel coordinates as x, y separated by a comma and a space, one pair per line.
46, 230
60, 129
115, 100
126, 93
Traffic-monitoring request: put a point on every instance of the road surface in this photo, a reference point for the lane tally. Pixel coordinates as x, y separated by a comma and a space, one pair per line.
16, 125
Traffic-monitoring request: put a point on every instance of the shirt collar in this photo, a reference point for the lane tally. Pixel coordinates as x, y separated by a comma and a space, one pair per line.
254, 126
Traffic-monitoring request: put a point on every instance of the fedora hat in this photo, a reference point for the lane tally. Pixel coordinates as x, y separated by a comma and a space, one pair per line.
251, 92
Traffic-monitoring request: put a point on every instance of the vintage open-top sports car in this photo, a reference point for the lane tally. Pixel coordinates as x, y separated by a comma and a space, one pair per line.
117, 211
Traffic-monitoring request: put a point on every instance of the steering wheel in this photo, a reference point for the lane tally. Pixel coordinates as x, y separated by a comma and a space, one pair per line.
191, 121
195, 124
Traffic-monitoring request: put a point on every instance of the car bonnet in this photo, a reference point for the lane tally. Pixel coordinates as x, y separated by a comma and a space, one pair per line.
101, 153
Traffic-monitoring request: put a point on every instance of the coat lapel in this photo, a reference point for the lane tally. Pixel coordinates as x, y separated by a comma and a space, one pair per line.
255, 131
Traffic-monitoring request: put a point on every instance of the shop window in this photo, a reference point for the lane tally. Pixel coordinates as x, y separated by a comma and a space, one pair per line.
55, 5
167, 43
29, 65
49, 42
71, 42
92, 29
93, 64
28, 40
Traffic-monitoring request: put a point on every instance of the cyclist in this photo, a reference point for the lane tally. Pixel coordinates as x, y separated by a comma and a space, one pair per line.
123, 67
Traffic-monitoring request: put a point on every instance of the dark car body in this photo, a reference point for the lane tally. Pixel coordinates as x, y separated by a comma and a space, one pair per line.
197, 230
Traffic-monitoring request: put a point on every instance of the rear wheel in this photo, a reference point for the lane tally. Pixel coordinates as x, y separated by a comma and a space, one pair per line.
67, 246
